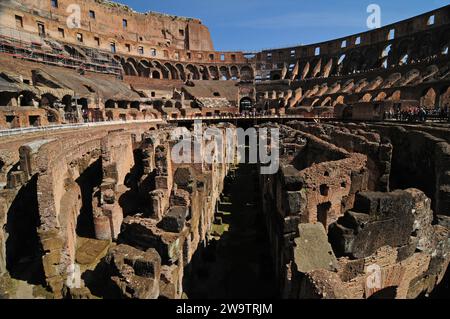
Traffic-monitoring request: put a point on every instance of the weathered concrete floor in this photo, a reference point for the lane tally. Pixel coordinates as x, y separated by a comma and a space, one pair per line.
238, 264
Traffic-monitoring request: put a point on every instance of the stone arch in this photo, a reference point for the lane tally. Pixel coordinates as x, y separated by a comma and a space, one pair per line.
88, 180
110, 104
27, 98
214, 72
353, 63
224, 73
169, 103
396, 96
326, 101
366, 97
428, 98
143, 68
181, 71
234, 72
204, 72
247, 73
135, 105
172, 71
444, 98
164, 72
380, 97
129, 69
192, 72
146, 63
133, 61
339, 100
48, 99
156, 74
315, 102
245, 104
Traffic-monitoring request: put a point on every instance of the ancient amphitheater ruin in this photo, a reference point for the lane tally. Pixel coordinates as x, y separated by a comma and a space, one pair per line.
93, 204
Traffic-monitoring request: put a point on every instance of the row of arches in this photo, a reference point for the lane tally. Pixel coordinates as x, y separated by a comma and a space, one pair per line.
429, 97
409, 50
179, 71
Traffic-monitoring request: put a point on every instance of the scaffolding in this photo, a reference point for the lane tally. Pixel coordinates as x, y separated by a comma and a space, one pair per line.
30, 47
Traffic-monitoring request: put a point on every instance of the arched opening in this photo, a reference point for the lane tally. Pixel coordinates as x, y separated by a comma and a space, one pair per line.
214, 72
428, 99
234, 71
156, 75
193, 73
315, 102
366, 98
246, 104
84, 103
27, 98
88, 180
110, 104
164, 72
339, 100
67, 102
129, 69
225, 74
123, 104
48, 100
444, 99
326, 102
396, 96
246, 73
168, 104
204, 72
23, 248
181, 72
144, 68
380, 97
135, 105
173, 71
8, 99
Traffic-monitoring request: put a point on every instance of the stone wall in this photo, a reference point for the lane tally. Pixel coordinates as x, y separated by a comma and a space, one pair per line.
392, 238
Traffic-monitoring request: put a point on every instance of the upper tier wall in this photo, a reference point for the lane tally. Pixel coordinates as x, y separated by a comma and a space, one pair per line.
409, 41
385, 34
151, 34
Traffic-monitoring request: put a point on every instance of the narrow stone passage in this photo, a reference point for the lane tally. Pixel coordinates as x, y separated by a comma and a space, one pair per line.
236, 262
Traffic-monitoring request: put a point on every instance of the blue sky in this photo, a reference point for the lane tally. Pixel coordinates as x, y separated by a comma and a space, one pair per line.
259, 24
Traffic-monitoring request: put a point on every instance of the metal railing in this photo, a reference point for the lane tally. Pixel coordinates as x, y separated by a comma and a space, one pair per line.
49, 128
241, 117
